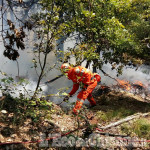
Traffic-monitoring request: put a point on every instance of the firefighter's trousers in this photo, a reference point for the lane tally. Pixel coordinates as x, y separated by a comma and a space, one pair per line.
85, 93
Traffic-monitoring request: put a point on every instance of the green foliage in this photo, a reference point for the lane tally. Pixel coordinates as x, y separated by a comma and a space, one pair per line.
110, 27
23, 106
114, 114
7, 80
140, 127
8, 85
118, 29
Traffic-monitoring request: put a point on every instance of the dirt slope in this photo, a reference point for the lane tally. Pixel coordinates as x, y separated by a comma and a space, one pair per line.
110, 108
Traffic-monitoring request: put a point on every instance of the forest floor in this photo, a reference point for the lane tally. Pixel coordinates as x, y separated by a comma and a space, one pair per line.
88, 130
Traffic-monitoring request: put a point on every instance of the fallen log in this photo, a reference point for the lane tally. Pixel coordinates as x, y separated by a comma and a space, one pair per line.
138, 115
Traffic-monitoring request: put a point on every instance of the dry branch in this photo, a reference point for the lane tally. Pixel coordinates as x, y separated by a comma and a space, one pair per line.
138, 115
2, 98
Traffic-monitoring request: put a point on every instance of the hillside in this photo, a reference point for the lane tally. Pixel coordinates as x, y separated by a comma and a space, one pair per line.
111, 107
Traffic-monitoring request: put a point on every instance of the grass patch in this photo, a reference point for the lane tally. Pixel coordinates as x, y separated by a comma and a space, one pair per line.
114, 114
140, 127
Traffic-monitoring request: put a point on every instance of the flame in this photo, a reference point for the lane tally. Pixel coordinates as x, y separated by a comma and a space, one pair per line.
139, 83
137, 87
124, 84
128, 86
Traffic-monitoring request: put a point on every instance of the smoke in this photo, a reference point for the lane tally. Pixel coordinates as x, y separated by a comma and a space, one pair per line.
129, 74
25, 66
27, 90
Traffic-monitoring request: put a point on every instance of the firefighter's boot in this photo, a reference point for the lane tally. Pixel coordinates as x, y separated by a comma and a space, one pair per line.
77, 106
92, 101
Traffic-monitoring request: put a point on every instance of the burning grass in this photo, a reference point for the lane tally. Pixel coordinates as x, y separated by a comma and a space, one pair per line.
136, 88
124, 84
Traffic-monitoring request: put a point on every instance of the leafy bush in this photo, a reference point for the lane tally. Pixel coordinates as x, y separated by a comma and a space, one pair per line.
23, 106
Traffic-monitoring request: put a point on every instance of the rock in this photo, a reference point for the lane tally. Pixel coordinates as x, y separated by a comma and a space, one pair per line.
4, 111
1, 94
9, 140
13, 136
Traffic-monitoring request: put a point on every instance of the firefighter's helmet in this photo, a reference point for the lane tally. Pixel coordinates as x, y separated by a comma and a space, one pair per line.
98, 77
65, 67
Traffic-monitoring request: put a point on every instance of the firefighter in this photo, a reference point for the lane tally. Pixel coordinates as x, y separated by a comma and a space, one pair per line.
84, 78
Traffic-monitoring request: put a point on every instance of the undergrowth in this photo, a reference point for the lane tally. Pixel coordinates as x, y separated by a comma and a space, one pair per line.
114, 114
140, 127
19, 109
24, 106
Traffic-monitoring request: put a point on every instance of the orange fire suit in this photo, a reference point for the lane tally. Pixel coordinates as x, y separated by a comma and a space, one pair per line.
85, 79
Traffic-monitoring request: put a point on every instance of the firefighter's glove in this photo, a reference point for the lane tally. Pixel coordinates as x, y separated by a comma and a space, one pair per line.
66, 98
